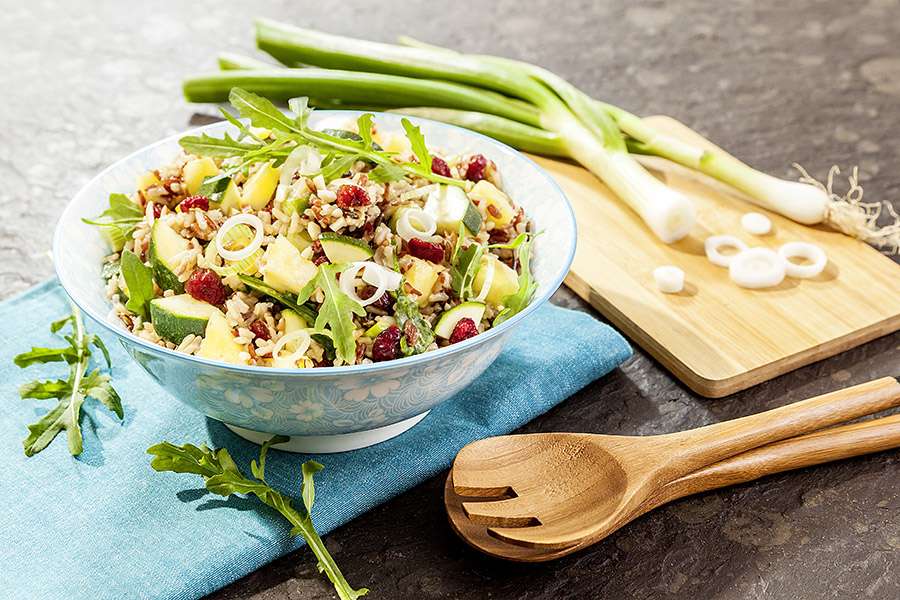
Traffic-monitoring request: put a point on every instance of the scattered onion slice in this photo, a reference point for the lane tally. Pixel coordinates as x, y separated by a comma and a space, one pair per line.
241, 219
303, 339
811, 252
488, 280
348, 282
713, 244
756, 223
669, 279
757, 268
415, 223
392, 279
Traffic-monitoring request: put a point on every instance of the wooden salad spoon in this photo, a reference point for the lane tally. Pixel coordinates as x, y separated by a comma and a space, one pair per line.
823, 446
557, 490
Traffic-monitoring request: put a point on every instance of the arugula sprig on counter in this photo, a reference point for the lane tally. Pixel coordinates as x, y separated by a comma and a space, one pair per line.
70, 392
223, 477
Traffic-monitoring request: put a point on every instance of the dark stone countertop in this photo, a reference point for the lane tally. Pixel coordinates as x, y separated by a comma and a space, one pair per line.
813, 82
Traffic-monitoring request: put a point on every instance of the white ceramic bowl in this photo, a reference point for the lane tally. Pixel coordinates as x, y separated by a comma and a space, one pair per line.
327, 409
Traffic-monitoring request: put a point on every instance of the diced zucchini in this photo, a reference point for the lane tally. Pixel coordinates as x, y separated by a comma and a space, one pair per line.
496, 204
260, 187
504, 283
447, 323
147, 180
450, 206
293, 321
300, 239
176, 317
380, 325
196, 170
165, 245
344, 249
231, 198
218, 342
422, 276
285, 269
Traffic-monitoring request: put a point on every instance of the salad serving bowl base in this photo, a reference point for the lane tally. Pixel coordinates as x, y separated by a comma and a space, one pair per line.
329, 409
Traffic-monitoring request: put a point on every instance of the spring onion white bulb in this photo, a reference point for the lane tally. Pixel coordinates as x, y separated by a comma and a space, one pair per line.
241, 219
812, 253
348, 282
714, 244
757, 268
488, 281
415, 223
669, 279
302, 339
370, 275
756, 223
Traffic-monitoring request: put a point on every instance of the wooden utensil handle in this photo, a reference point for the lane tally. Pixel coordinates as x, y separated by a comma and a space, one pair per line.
707, 445
847, 441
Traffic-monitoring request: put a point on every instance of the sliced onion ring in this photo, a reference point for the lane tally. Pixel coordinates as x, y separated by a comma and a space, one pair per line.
415, 223
241, 219
348, 282
811, 252
303, 339
488, 280
392, 279
757, 268
714, 243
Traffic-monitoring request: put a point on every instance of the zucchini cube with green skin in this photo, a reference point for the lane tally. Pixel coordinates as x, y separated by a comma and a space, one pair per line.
218, 342
285, 269
450, 207
504, 283
176, 317
165, 246
344, 249
465, 310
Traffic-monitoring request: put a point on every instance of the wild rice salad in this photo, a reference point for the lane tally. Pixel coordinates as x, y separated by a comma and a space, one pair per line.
291, 247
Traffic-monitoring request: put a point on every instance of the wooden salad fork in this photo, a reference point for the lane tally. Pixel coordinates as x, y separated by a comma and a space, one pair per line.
554, 491
816, 448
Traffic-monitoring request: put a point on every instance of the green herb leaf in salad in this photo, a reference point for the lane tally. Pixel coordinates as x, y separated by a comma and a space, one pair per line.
336, 312
119, 220
223, 477
515, 303
70, 392
464, 265
224, 147
308, 313
139, 281
417, 333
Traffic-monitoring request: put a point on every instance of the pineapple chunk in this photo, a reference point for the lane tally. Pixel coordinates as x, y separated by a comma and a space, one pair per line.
147, 180
496, 204
195, 171
286, 270
422, 275
231, 198
505, 282
218, 342
260, 187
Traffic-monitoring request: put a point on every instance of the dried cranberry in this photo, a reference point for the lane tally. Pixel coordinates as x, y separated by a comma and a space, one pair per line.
498, 236
351, 195
384, 302
432, 251
318, 254
260, 330
387, 344
440, 167
201, 202
464, 329
476, 168
157, 209
206, 286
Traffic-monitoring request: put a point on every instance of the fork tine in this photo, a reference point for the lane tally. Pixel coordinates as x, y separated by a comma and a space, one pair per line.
535, 536
488, 468
512, 512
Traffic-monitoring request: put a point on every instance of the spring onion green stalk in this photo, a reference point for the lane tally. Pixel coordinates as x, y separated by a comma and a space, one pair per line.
229, 61
587, 133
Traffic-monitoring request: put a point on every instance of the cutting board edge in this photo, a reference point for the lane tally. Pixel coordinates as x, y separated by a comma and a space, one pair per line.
719, 388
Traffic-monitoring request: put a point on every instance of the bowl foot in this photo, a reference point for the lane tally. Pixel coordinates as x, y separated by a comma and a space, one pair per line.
328, 444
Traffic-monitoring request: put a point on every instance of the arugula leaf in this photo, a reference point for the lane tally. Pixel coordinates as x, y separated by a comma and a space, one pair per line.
515, 303
224, 147
119, 220
245, 131
364, 125
417, 143
261, 111
416, 330
464, 265
223, 477
71, 392
139, 281
338, 166
309, 314
518, 241
213, 187
386, 173
336, 312
300, 108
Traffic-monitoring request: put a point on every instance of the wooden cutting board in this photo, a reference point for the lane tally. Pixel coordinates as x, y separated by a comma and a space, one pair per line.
716, 337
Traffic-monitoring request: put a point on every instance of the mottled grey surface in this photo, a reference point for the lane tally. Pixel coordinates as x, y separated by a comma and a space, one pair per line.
814, 82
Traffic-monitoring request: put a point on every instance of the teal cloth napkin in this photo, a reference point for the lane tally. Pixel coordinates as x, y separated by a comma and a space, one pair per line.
106, 525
